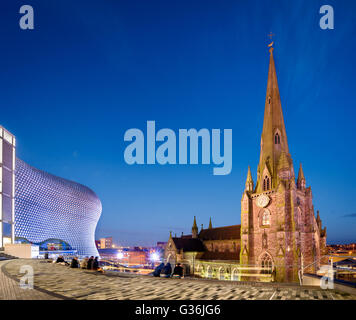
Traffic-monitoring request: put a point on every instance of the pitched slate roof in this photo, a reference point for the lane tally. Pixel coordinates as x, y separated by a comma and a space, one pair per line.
222, 233
348, 261
210, 255
189, 244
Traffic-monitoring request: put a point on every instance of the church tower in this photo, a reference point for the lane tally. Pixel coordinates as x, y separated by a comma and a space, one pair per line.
279, 232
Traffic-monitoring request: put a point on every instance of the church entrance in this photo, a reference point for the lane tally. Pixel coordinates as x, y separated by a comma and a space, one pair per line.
171, 259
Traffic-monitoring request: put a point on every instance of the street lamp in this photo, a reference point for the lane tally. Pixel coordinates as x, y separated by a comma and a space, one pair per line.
154, 256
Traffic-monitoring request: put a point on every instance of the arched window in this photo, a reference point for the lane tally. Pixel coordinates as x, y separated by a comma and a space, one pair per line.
221, 273
266, 183
266, 221
209, 272
277, 139
235, 275
266, 264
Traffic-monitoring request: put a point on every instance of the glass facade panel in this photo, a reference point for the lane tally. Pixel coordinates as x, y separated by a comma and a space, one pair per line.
1, 149
8, 137
7, 155
6, 208
7, 186
7, 181
7, 227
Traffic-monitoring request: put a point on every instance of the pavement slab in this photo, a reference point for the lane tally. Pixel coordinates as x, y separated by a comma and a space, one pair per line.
53, 281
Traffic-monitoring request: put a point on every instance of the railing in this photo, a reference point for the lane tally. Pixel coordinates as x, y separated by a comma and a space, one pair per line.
229, 272
301, 270
110, 265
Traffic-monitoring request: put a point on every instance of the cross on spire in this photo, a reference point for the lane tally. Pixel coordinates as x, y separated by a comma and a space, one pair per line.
270, 35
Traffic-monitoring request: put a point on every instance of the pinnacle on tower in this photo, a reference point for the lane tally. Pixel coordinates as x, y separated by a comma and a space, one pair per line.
301, 179
195, 229
210, 224
318, 220
249, 181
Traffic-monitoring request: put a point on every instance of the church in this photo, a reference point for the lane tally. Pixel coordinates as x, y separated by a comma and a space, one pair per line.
279, 234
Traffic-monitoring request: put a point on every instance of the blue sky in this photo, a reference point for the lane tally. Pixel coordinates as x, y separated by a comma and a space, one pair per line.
93, 69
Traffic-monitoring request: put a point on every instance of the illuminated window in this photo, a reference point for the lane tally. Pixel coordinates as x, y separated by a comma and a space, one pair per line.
266, 264
6, 240
266, 218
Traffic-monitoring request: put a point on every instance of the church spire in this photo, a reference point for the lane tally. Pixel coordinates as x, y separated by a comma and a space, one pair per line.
210, 224
274, 136
195, 229
249, 181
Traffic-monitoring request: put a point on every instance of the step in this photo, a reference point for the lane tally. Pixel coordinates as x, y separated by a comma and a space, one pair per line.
4, 256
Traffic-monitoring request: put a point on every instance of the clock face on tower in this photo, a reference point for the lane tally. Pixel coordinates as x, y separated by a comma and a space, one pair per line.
262, 201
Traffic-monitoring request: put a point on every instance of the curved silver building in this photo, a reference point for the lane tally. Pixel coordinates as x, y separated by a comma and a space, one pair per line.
53, 212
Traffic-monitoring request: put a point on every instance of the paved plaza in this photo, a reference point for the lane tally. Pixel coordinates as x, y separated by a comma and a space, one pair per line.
10, 290
54, 281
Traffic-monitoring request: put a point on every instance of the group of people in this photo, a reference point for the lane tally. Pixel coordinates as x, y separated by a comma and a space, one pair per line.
165, 271
87, 263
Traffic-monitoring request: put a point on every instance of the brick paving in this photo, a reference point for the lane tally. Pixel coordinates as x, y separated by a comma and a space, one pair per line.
88, 285
10, 290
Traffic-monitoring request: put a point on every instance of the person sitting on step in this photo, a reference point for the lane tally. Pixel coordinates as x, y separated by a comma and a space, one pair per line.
178, 271
166, 271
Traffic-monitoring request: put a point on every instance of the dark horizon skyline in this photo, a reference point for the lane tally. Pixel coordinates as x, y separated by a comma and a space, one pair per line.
75, 84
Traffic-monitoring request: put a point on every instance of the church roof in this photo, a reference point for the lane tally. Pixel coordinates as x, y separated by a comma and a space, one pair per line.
189, 244
346, 262
211, 255
222, 233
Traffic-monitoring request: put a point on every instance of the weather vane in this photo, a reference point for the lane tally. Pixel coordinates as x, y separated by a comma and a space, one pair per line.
270, 35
